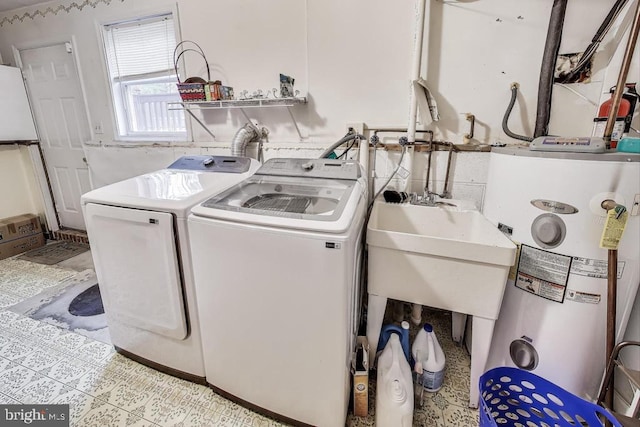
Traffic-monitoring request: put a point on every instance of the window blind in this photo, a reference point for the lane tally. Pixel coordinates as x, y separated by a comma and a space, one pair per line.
141, 48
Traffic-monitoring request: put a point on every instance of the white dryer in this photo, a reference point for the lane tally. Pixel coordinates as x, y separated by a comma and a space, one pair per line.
279, 290
140, 247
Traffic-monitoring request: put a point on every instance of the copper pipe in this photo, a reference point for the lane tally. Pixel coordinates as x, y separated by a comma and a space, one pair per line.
612, 262
622, 77
612, 291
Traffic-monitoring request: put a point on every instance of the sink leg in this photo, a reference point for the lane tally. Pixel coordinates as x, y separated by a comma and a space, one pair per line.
458, 323
416, 314
481, 343
375, 315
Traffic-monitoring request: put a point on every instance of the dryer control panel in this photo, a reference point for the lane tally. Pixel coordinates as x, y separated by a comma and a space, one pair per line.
226, 164
312, 168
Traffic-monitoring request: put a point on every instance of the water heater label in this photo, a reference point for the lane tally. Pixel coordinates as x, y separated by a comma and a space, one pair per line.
583, 297
596, 268
543, 273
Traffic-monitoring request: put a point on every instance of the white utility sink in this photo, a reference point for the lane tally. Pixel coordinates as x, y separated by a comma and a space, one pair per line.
443, 256
445, 250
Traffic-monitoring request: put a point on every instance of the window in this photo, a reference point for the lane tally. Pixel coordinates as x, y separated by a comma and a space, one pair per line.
139, 56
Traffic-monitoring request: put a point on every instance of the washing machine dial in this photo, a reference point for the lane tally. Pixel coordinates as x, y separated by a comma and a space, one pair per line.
548, 230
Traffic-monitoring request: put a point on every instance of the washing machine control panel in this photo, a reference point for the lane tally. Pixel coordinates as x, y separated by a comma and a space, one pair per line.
226, 164
312, 168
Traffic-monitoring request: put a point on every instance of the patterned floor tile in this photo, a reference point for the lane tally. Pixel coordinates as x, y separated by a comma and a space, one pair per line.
164, 412
47, 332
70, 342
40, 359
104, 415
94, 351
97, 382
68, 370
25, 325
429, 417
7, 300
128, 396
457, 416
6, 317
247, 418
40, 362
43, 391
6, 400
6, 364
200, 417
16, 350
79, 403
210, 400
14, 378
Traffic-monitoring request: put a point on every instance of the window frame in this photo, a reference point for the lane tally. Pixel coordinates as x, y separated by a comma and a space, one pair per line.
146, 138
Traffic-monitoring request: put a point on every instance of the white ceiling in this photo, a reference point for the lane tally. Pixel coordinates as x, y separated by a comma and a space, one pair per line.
6, 5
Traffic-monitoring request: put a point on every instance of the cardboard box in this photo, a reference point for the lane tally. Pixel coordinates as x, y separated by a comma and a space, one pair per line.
361, 378
23, 244
19, 234
19, 226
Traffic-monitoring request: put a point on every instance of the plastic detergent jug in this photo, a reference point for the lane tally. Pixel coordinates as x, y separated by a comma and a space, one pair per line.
403, 331
429, 360
394, 391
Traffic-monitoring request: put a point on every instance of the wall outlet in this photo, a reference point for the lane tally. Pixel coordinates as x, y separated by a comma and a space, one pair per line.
97, 129
357, 126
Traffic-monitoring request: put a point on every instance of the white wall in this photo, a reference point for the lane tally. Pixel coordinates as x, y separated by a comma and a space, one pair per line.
18, 185
351, 59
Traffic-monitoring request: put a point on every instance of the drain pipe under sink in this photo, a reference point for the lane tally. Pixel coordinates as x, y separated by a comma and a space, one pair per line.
421, 11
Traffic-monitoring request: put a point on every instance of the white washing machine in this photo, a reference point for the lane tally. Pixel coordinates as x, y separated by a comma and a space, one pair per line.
554, 312
279, 290
140, 248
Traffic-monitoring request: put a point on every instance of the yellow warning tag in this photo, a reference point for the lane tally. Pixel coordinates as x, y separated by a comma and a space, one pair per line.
613, 229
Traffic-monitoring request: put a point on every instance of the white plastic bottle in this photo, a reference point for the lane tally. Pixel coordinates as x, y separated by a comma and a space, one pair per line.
394, 390
429, 360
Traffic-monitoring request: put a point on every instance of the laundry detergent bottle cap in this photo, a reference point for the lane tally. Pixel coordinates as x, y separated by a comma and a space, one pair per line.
402, 331
394, 397
429, 360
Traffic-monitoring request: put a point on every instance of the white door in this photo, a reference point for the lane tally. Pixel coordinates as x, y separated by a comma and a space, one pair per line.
54, 88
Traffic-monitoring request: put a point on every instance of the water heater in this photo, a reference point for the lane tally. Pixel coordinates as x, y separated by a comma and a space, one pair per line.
553, 316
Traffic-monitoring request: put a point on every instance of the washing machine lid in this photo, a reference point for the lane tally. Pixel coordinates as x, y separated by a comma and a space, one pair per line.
292, 193
188, 181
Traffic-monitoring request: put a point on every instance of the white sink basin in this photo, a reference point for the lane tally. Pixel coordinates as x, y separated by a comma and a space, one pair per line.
450, 257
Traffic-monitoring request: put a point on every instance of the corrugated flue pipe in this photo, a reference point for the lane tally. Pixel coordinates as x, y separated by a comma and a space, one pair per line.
246, 134
551, 48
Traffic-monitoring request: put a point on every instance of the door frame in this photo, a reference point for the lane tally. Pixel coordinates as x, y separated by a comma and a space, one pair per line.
38, 156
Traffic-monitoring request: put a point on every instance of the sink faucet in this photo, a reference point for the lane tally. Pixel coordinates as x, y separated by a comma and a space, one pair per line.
429, 196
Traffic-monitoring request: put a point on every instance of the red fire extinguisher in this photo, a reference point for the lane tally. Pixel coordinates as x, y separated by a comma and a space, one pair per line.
624, 116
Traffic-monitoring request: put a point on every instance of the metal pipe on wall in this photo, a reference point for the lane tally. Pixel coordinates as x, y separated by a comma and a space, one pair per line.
545, 85
415, 68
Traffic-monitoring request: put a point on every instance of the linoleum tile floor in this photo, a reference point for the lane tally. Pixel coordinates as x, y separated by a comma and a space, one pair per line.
41, 363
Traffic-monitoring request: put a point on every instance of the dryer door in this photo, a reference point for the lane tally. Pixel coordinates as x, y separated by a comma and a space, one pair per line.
137, 265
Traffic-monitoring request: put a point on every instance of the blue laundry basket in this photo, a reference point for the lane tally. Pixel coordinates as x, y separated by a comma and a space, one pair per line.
514, 397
